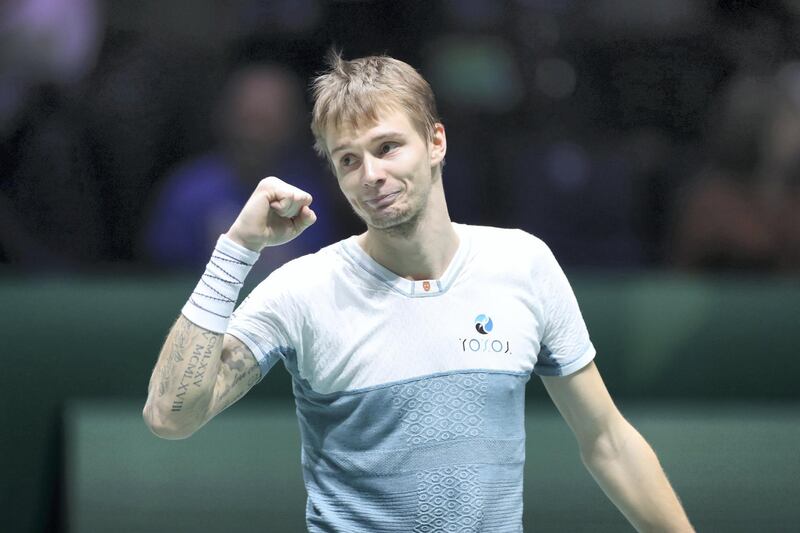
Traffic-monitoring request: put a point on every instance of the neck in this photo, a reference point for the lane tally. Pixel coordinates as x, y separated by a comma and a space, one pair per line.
421, 248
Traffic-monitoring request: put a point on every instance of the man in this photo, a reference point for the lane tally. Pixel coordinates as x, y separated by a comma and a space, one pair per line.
409, 345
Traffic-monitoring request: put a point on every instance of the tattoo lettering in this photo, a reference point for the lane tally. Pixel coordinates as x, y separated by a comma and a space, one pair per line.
179, 343
197, 365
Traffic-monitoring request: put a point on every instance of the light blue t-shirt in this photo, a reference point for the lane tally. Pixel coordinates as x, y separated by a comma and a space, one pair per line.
410, 394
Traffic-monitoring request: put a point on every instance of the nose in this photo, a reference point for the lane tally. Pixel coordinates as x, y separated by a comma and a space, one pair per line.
374, 174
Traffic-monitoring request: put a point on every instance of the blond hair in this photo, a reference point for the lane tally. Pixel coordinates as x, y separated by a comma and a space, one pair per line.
353, 93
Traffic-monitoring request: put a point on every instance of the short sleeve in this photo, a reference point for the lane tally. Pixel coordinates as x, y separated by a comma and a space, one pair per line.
264, 321
565, 346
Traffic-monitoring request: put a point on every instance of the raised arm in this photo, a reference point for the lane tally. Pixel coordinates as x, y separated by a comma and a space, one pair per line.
201, 370
618, 457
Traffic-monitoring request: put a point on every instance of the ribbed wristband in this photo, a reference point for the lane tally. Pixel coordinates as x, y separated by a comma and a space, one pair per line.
213, 300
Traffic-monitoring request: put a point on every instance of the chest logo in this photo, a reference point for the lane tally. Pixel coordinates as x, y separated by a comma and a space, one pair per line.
483, 324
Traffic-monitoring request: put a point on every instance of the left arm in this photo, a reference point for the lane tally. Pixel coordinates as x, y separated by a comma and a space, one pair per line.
618, 457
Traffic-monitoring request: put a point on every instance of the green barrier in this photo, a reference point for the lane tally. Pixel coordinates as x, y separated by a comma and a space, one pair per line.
693, 338
735, 468
97, 338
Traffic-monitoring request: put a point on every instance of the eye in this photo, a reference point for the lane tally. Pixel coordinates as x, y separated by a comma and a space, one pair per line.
346, 161
387, 147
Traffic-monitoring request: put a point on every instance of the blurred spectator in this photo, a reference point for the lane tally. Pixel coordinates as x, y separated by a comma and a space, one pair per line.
739, 212
755, 36
579, 200
43, 42
49, 203
145, 105
780, 169
258, 123
722, 223
724, 226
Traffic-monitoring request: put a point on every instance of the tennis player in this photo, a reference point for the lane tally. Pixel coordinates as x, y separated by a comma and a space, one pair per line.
409, 345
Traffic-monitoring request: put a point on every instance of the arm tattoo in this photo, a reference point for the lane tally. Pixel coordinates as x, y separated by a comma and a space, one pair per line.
179, 343
196, 366
236, 362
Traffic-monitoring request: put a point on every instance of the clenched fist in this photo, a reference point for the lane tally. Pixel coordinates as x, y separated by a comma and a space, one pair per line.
274, 214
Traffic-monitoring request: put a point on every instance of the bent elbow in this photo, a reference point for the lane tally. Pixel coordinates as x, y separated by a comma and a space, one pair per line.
169, 432
164, 427
608, 445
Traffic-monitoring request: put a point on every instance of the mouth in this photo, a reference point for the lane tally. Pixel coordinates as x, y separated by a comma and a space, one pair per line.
382, 201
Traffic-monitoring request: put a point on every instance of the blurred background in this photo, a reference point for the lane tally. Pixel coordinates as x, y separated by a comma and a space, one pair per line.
654, 145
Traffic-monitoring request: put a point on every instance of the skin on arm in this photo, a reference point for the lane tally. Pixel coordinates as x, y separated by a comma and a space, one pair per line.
620, 460
198, 374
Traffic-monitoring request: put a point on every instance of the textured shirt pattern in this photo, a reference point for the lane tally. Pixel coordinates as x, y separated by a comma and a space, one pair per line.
441, 408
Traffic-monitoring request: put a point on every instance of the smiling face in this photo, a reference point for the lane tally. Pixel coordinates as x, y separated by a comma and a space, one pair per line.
386, 169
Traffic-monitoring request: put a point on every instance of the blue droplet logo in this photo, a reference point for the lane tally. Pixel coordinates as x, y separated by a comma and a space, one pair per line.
483, 324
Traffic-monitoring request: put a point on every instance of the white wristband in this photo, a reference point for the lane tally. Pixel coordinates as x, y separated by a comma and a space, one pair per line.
211, 304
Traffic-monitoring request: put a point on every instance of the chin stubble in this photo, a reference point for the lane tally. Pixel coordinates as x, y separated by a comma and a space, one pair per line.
403, 229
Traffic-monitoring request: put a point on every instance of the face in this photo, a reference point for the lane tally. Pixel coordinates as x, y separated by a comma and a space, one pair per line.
386, 170
260, 115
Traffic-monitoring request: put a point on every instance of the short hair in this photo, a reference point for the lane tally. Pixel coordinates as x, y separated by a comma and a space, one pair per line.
353, 93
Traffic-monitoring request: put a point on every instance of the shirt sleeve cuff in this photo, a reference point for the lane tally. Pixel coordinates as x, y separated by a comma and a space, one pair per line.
569, 368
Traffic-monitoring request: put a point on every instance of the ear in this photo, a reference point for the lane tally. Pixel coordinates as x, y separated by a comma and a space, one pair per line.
438, 144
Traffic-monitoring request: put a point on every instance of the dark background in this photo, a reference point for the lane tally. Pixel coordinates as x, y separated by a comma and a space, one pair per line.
655, 146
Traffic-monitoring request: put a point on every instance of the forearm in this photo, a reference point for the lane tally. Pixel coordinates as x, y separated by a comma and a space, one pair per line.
628, 471
182, 384
187, 386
